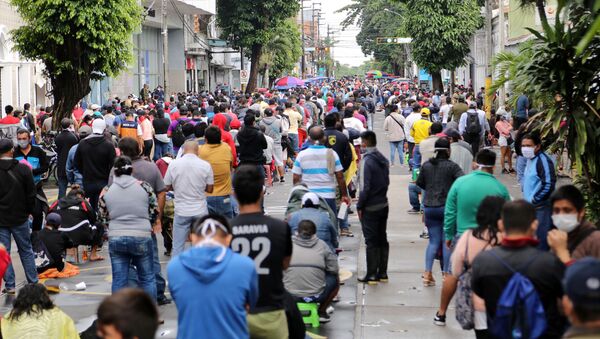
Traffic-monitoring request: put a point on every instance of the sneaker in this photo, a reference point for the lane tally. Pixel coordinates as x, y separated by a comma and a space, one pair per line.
439, 320
330, 310
324, 318
281, 180
163, 301
512, 171
11, 291
346, 233
424, 235
505, 171
168, 253
413, 211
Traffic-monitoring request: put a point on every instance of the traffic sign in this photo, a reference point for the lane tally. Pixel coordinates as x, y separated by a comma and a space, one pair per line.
244, 77
393, 40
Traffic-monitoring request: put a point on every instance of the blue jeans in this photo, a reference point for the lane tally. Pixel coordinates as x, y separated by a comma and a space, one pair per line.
416, 159
220, 205
397, 146
413, 196
434, 220
160, 149
543, 214
63, 184
294, 141
521, 164
181, 231
331, 283
22, 236
137, 251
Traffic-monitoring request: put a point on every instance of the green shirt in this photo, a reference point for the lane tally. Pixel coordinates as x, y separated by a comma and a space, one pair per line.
464, 199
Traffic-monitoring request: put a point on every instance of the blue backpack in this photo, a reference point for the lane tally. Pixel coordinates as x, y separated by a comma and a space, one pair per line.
519, 312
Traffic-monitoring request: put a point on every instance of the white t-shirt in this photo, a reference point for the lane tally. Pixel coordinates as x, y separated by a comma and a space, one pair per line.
445, 112
189, 176
410, 120
357, 125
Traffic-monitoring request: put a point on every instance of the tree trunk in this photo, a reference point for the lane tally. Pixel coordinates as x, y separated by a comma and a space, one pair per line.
266, 78
452, 84
436, 81
540, 4
255, 59
68, 89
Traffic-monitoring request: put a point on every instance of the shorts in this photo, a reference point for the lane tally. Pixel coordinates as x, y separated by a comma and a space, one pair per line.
502, 142
267, 325
278, 155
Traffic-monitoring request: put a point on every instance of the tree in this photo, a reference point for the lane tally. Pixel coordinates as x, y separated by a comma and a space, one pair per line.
281, 52
78, 41
441, 31
249, 24
556, 70
375, 22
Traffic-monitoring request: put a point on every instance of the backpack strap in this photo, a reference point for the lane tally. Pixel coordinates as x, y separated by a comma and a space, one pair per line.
495, 255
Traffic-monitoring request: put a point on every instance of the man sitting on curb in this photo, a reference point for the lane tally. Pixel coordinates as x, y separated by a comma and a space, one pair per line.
313, 272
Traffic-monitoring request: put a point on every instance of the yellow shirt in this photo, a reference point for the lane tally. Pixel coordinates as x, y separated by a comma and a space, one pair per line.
51, 324
295, 120
220, 159
420, 130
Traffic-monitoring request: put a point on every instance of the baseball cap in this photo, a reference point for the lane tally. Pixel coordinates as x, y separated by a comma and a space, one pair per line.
472, 104
582, 282
452, 133
425, 112
84, 131
310, 199
53, 219
98, 126
95, 107
6, 145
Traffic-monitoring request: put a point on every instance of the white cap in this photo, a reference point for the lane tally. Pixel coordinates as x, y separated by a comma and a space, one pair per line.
98, 126
312, 197
95, 107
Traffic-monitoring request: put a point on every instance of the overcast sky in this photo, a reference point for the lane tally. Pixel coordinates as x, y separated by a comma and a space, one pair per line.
346, 50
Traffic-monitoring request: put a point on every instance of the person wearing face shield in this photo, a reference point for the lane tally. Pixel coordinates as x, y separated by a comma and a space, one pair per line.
574, 237
539, 181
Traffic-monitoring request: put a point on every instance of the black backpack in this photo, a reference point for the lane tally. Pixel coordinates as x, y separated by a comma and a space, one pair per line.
178, 137
473, 123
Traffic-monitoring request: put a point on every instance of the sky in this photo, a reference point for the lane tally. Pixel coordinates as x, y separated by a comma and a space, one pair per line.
346, 50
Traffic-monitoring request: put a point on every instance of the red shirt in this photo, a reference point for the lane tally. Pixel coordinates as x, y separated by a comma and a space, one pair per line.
10, 120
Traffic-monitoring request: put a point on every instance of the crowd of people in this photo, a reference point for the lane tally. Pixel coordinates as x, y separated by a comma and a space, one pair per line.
195, 168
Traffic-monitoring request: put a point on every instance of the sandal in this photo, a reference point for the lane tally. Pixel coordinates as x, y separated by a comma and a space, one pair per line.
346, 233
428, 280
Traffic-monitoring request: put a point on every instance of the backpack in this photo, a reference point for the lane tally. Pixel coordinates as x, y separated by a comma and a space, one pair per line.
178, 137
465, 313
473, 123
519, 312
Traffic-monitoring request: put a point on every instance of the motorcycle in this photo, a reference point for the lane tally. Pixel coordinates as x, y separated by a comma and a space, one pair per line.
49, 147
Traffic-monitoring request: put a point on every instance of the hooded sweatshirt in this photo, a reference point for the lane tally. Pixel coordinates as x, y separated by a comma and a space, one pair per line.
211, 295
94, 158
273, 128
129, 206
17, 193
220, 120
374, 181
252, 143
311, 261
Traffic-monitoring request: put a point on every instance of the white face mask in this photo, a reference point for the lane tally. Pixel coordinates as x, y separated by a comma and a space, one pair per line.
528, 152
565, 222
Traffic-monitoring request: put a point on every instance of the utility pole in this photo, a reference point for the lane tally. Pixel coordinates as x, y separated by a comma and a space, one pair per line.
502, 35
243, 87
165, 33
302, 23
490, 52
327, 50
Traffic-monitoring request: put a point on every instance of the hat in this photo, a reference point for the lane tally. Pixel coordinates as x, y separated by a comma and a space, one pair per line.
94, 107
582, 282
53, 219
98, 126
472, 104
84, 131
6, 145
425, 112
310, 199
452, 133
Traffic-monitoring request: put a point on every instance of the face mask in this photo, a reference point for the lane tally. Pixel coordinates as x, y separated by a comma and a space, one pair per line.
23, 143
565, 222
528, 152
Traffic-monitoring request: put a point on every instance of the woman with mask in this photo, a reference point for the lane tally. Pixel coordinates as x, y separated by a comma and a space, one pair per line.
129, 208
436, 177
505, 142
574, 237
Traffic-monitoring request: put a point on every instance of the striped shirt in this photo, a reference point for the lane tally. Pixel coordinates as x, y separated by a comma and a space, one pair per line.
311, 164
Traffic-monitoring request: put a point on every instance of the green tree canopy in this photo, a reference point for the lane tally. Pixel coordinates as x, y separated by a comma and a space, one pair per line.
78, 41
282, 51
441, 31
249, 24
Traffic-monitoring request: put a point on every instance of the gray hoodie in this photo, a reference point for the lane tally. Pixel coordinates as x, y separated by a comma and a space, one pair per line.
312, 259
129, 205
273, 128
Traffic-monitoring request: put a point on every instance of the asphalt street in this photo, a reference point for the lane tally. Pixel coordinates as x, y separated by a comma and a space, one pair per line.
402, 308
